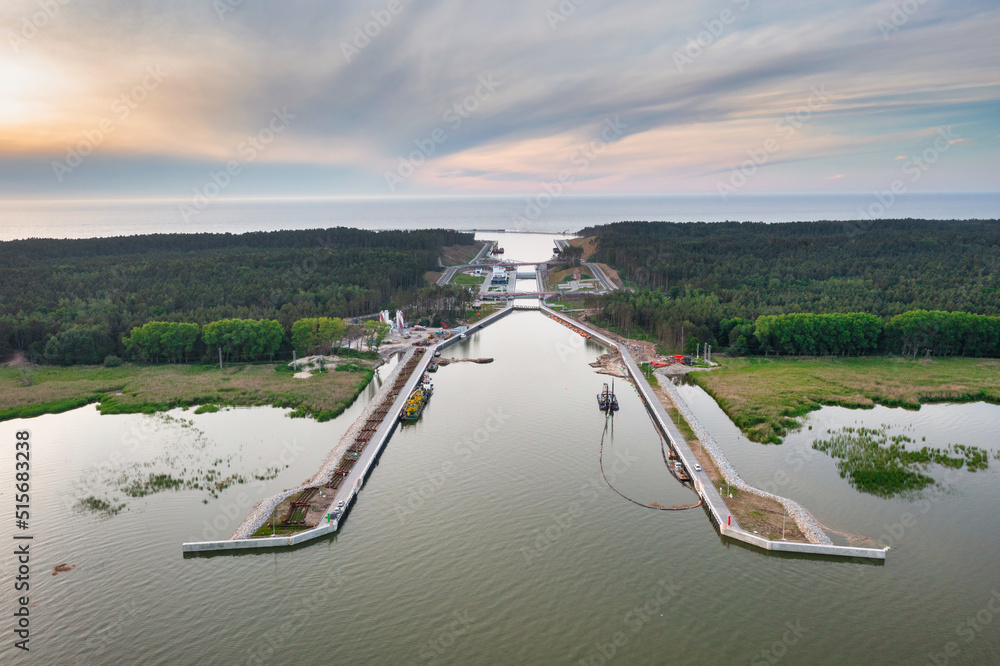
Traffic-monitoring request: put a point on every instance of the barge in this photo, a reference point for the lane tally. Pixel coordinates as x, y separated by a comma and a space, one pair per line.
417, 401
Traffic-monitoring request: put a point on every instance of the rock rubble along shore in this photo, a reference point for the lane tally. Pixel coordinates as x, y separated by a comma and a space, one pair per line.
610, 364
262, 511
806, 522
448, 361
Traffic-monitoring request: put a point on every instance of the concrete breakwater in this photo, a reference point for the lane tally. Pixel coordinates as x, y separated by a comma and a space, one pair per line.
712, 500
802, 518
263, 510
348, 485
386, 412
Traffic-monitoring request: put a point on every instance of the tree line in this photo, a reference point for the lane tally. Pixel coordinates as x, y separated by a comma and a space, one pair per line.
853, 334
232, 339
86, 295
243, 339
687, 279
159, 341
928, 332
943, 334
323, 335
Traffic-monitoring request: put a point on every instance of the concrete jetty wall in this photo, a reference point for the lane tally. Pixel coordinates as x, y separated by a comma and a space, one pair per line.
802, 518
349, 489
712, 500
263, 509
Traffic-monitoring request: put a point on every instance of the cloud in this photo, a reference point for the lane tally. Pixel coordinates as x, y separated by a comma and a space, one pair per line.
355, 116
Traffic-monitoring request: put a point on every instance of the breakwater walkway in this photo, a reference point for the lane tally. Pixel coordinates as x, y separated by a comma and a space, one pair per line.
802, 518
712, 500
387, 406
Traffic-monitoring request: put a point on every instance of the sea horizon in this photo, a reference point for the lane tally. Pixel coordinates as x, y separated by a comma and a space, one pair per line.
91, 218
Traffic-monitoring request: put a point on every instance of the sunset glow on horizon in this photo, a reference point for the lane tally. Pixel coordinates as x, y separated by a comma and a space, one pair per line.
147, 99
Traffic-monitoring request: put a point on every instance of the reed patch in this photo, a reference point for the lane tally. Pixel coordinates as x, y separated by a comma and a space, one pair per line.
889, 465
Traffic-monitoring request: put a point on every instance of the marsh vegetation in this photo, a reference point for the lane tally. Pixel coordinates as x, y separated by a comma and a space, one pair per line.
889, 465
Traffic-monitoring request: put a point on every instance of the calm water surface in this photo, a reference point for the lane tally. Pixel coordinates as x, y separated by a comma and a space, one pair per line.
486, 535
75, 219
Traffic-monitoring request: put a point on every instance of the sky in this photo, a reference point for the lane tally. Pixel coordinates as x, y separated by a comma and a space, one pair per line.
245, 98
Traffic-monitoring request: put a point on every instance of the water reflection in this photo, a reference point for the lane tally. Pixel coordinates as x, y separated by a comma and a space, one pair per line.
492, 508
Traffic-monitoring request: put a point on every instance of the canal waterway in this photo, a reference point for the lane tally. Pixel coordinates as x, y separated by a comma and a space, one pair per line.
486, 535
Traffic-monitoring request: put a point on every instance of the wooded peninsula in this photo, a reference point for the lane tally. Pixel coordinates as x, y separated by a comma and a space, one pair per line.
892, 312
77, 301
898, 286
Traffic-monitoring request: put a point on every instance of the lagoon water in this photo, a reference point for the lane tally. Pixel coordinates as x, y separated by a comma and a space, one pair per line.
486, 535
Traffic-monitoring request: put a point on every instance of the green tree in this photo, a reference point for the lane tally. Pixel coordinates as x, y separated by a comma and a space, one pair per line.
83, 345
943, 333
572, 255
317, 333
243, 339
375, 332
162, 341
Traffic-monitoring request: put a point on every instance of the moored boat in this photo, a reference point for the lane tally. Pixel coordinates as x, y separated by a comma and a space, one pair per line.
415, 403
607, 401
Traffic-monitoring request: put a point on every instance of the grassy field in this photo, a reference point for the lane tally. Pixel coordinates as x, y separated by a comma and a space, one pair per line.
565, 275
468, 280
456, 255
647, 372
134, 388
589, 245
555, 277
766, 396
565, 305
481, 313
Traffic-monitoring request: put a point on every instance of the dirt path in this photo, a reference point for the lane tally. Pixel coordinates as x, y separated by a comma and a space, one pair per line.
16, 359
759, 515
